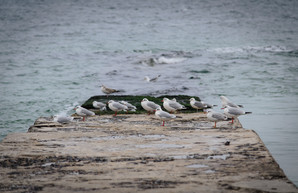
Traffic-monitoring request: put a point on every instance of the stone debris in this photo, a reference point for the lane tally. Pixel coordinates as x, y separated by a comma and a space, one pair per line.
133, 153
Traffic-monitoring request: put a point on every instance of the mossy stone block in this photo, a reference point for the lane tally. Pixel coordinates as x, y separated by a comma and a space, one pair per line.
136, 101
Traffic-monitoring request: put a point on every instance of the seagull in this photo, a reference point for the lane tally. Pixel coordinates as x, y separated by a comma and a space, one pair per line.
226, 102
151, 79
164, 116
197, 104
149, 105
99, 105
216, 116
233, 112
83, 112
116, 106
130, 107
107, 90
172, 106
63, 119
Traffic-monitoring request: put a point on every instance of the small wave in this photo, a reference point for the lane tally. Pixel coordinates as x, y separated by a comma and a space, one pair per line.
152, 61
165, 60
255, 49
200, 71
291, 53
173, 90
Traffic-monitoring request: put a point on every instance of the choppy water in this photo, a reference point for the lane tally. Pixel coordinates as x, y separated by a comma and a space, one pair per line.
55, 54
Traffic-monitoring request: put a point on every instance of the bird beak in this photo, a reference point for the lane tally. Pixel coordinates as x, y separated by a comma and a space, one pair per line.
161, 100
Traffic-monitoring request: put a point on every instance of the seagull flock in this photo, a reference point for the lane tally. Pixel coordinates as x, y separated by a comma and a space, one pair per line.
230, 109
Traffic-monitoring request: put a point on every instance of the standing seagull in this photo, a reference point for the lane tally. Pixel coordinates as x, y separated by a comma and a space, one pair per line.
83, 112
197, 104
99, 105
226, 102
164, 116
149, 105
233, 112
107, 90
130, 107
215, 116
172, 106
115, 106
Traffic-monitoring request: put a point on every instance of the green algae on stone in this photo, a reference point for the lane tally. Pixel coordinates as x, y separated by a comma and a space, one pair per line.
136, 101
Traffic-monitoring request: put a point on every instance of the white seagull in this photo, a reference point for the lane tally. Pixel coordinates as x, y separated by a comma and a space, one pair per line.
226, 102
151, 79
107, 90
164, 116
116, 106
99, 105
83, 112
130, 107
172, 106
63, 119
233, 112
215, 116
149, 105
197, 104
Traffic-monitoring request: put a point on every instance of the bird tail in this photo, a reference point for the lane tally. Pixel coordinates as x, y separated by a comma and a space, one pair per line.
241, 106
120, 90
178, 117
248, 112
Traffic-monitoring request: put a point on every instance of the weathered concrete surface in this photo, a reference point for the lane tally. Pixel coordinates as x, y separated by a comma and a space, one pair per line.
133, 153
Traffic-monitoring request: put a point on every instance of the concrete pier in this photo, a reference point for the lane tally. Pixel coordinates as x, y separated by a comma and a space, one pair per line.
133, 153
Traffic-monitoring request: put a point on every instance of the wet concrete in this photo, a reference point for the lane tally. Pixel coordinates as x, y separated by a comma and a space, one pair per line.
133, 153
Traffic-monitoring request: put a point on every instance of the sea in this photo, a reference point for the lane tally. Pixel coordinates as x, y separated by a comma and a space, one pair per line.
55, 54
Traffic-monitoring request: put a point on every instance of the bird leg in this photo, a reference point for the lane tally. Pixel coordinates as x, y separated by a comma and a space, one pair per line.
115, 114
232, 120
215, 124
83, 118
163, 123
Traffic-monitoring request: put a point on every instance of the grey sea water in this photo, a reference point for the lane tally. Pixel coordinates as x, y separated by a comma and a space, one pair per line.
55, 54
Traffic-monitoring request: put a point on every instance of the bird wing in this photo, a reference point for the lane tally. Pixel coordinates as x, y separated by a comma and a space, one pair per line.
232, 105
166, 115
100, 104
235, 111
87, 112
111, 90
175, 105
119, 106
199, 104
154, 79
152, 105
130, 106
219, 116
